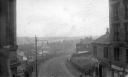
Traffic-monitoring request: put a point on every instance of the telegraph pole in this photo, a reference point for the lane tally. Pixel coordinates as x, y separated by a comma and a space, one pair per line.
36, 40
36, 56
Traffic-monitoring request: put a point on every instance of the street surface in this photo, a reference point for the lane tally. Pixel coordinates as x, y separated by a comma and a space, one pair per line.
55, 67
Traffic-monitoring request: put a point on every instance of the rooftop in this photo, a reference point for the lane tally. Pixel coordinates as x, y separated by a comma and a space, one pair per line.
104, 39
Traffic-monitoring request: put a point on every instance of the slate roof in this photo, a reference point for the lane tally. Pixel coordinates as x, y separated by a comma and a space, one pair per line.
104, 39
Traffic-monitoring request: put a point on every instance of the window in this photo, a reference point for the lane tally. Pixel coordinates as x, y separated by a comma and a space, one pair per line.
0, 24
126, 11
126, 55
115, 12
116, 54
106, 52
116, 29
126, 31
95, 50
8, 35
0, 8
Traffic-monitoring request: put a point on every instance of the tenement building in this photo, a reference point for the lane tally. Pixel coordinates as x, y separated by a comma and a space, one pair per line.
8, 46
113, 56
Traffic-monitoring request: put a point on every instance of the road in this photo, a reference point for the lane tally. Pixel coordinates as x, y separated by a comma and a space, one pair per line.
55, 66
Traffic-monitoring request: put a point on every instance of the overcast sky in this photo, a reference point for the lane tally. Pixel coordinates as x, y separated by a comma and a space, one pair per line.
49, 18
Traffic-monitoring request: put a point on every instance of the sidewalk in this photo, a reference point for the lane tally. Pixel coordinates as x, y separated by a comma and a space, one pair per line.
73, 70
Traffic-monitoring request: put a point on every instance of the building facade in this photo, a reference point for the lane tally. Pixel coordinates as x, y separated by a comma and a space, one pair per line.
100, 48
8, 45
84, 45
80, 47
113, 56
119, 36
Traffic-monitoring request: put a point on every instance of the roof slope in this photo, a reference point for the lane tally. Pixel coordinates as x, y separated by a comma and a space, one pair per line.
104, 39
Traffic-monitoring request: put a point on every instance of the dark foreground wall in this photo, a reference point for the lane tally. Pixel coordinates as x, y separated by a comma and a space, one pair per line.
7, 35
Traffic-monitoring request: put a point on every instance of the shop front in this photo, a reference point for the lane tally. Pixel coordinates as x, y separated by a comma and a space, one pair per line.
117, 71
126, 72
102, 70
113, 71
107, 70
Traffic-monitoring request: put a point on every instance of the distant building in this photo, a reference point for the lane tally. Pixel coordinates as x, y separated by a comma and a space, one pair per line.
112, 54
8, 44
83, 45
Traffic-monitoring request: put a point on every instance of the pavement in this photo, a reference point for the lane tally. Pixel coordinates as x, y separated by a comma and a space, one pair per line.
74, 71
55, 67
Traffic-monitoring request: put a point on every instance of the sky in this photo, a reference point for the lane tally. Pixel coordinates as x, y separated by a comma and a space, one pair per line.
58, 18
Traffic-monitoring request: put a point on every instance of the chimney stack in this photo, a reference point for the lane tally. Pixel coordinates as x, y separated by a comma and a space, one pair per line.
107, 31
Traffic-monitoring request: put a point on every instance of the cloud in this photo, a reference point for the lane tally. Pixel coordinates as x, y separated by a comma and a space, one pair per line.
62, 17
